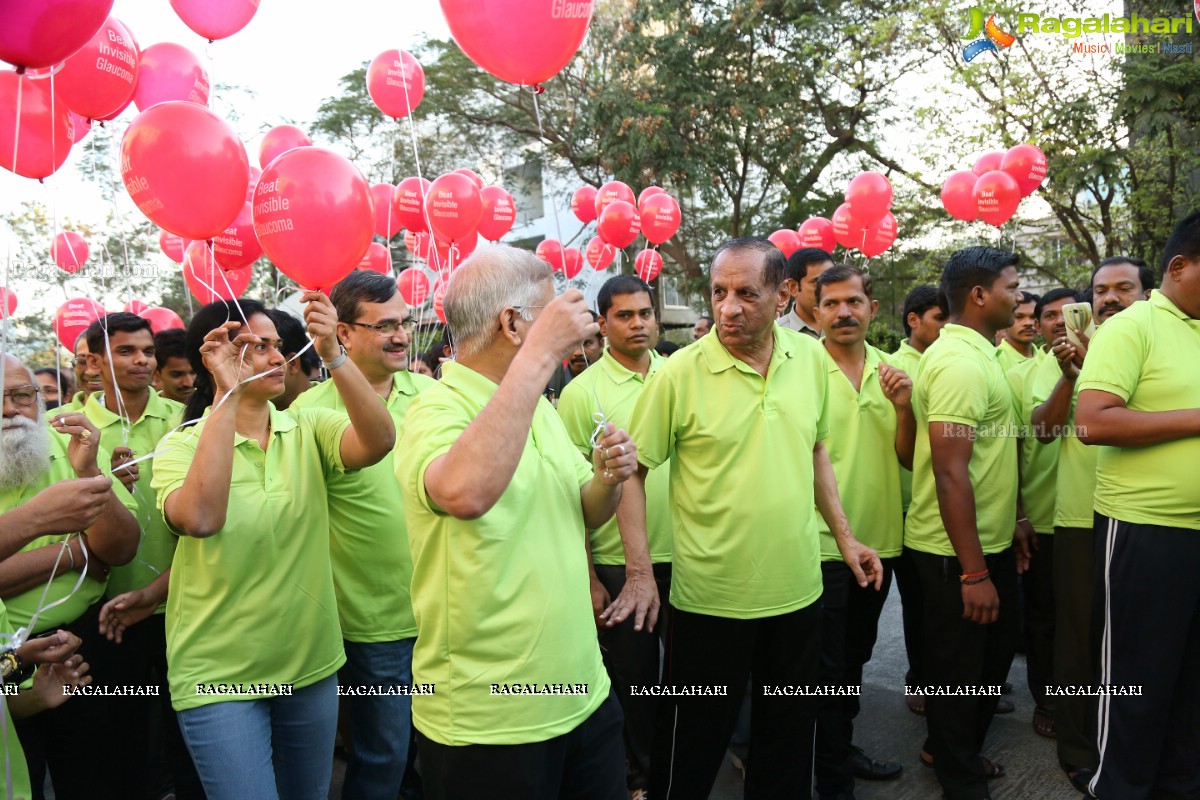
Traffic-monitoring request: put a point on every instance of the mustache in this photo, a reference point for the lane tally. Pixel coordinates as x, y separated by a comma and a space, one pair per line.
1114, 306
846, 323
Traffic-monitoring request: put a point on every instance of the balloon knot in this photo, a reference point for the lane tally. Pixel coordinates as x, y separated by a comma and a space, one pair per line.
20, 70
538, 88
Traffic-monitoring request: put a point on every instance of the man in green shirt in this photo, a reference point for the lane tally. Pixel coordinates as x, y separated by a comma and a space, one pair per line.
871, 433
1017, 345
742, 416
803, 268
498, 501
959, 531
612, 386
173, 375
1139, 397
1116, 283
368, 540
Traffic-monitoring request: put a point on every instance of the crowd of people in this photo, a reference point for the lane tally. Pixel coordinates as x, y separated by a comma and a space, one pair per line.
545, 560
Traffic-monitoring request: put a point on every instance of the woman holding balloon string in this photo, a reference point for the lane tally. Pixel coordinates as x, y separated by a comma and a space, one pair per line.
253, 642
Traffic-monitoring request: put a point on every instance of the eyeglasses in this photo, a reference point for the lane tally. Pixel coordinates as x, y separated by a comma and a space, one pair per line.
22, 396
390, 327
522, 309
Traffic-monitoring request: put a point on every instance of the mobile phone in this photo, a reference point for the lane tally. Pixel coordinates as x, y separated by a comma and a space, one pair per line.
1078, 317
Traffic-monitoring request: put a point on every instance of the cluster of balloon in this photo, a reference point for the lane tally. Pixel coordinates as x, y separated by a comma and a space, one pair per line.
69, 251
73, 318
620, 218
8, 303
206, 280
396, 83
865, 222
994, 187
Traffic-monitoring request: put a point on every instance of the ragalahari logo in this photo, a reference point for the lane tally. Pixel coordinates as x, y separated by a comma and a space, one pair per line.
992, 39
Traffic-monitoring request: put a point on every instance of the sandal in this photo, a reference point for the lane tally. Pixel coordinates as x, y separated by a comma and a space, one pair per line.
1043, 722
990, 768
1079, 777
915, 703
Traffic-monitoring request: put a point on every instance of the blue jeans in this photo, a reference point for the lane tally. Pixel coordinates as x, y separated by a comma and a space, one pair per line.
380, 725
276, 749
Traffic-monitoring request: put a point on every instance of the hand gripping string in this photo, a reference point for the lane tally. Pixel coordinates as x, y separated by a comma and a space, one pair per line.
22, 634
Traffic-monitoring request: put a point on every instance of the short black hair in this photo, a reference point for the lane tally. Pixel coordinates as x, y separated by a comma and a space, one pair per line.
1053, 296
206, 320
360, 286
1146, 275
291, 331
168, 344
919, 300
1028, 297
971, 267
665, 346
711, 321
58, 376
1183, 241
844, 272
117, 322
621, 284
774, 264
799, 261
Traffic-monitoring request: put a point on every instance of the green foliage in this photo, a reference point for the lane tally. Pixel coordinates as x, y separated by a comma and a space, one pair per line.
883, 337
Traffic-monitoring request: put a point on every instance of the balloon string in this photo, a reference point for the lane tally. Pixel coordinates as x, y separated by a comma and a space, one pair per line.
537, 111
412, 131
17, 125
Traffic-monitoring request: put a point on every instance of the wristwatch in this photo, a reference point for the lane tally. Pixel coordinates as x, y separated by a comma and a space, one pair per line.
337, 362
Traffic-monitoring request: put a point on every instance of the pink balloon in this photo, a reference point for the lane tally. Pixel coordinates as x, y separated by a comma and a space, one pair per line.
162, 319
43, 131
648, 264
453, 207
613, 190
996, 197
41, 33
185, 169
660, 217
173, 246
846, 227
215, 19
410, 204
313, 215
958, 195
572, 262
99, 79
787, 240
1027, 164
80, 126
8, 303
237, 247
413, 286
551, 251
278, 141
418, 243
583, 203
619, 223
988, 162
499, 213
135, 306
519, 41
649, 191
200, 269
817, 232
69, 251
599, 254
255, 173
169, 71
879, 236
450, 255
870, 196
472, 174
376, 259
73, 318
387, 221
439, 298
396, 83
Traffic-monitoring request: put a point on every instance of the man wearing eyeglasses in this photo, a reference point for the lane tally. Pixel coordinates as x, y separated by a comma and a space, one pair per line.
368, 542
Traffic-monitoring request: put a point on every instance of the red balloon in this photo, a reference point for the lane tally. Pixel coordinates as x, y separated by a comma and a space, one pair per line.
660, 217
396, 83
387, 221
161, 319
43, 131
1027, 164
870, 196
410, 203
172, 246
988, 162
69, 251
996, 197
135, 306
846, 227
73, 318
472, 174
215, 19
418, 243
43, 33
879, 236
255, 174
619, 223
376, 259
649, 191
439, 299
817, 232
648, 264
200, 269
8, 303
313, 215
572, 262
599, 254
169, 71
551, 251
519, 41
786, 240
278, 141
80, 126
499, 213
448, 256
99, 78
237, 247
958, 196
185, 169
413, 286
583, 204
613, 190
453, 207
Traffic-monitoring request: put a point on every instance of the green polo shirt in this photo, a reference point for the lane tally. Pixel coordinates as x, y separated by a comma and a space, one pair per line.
368, 538
76, 404
960, 381
1148, 356
1039, 462
1010, 356
741, 452
157, 545
615, 389
14, 756
1075, 478
502, 600
906, 358
862, 449
254, 602
21, 607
